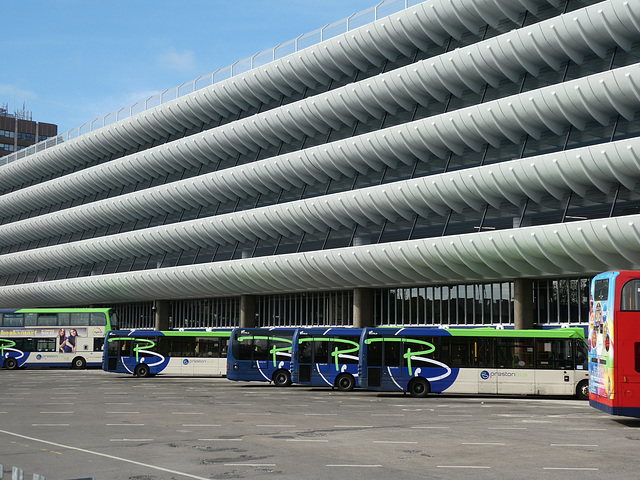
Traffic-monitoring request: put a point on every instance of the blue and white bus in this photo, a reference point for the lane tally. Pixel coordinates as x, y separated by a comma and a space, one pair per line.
260, 355
326, 356
475, 360
175, 352
54, 337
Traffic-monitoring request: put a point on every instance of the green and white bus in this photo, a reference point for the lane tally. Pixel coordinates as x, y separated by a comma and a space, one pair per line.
474, 361
184, 352
54, 337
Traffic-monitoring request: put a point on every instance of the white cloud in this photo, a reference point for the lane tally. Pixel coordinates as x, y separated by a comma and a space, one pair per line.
184, 62
16, 94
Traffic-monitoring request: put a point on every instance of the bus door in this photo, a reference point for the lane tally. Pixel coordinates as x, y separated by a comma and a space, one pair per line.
321, 360
482, 358
260, 355
305, 360
554, 373
391, 375
184, 348
516, 374
374, 347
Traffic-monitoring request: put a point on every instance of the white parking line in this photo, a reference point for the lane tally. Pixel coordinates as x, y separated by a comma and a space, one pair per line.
393, 441
111, 457
571, 468
306, 440
200, 425
483, 443
354, 466
276, 426
131, 439
461, 466
353, 426
219, 439
571, 445
507, 428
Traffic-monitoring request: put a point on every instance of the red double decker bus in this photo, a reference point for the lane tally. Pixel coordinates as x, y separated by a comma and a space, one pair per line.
614, 343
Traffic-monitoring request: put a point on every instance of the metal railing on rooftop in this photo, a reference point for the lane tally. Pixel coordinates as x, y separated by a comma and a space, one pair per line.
357, 20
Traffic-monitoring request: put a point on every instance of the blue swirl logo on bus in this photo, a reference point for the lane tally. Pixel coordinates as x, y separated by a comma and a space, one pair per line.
484, 375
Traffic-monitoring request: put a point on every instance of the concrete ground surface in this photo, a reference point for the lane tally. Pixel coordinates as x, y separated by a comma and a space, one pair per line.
69, 424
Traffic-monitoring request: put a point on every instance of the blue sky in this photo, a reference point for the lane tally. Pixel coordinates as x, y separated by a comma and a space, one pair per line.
72, 61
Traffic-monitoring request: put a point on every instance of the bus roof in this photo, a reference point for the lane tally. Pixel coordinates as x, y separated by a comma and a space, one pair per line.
570, 332
329, 330
218, 332
55, 310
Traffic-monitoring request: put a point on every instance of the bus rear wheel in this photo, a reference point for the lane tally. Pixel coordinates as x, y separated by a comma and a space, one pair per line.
345, 382
78, 363
282, 378
10, 364
141, 370
582, 390
418, 387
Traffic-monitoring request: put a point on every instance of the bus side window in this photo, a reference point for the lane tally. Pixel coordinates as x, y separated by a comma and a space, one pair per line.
392, 354
374, 354
459, 352
544, 353
350, 358
260, 349
630, 294
582, 355
98, 344
562, 352
482, 352
304, 352
504, 353
321, 352
637, 356
242, 349
98, 319
416, 347
46, 345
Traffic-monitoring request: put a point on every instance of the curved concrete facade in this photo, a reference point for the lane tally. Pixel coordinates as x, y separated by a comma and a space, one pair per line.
456, 141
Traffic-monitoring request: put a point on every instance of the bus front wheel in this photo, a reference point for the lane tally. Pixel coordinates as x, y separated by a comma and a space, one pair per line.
582, 390
418, 387
282, 378
345, 382
11, 364
141, 370
78, 363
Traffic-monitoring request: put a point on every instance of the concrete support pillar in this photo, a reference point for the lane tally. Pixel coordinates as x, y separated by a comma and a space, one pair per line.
362, 307
247, 311
522, 303
161, 309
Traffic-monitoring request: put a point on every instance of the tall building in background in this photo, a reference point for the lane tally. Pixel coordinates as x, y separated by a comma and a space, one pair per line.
445, 162
18, 131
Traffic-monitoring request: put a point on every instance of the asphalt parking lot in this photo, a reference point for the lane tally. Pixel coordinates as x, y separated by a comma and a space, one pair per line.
65, 424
